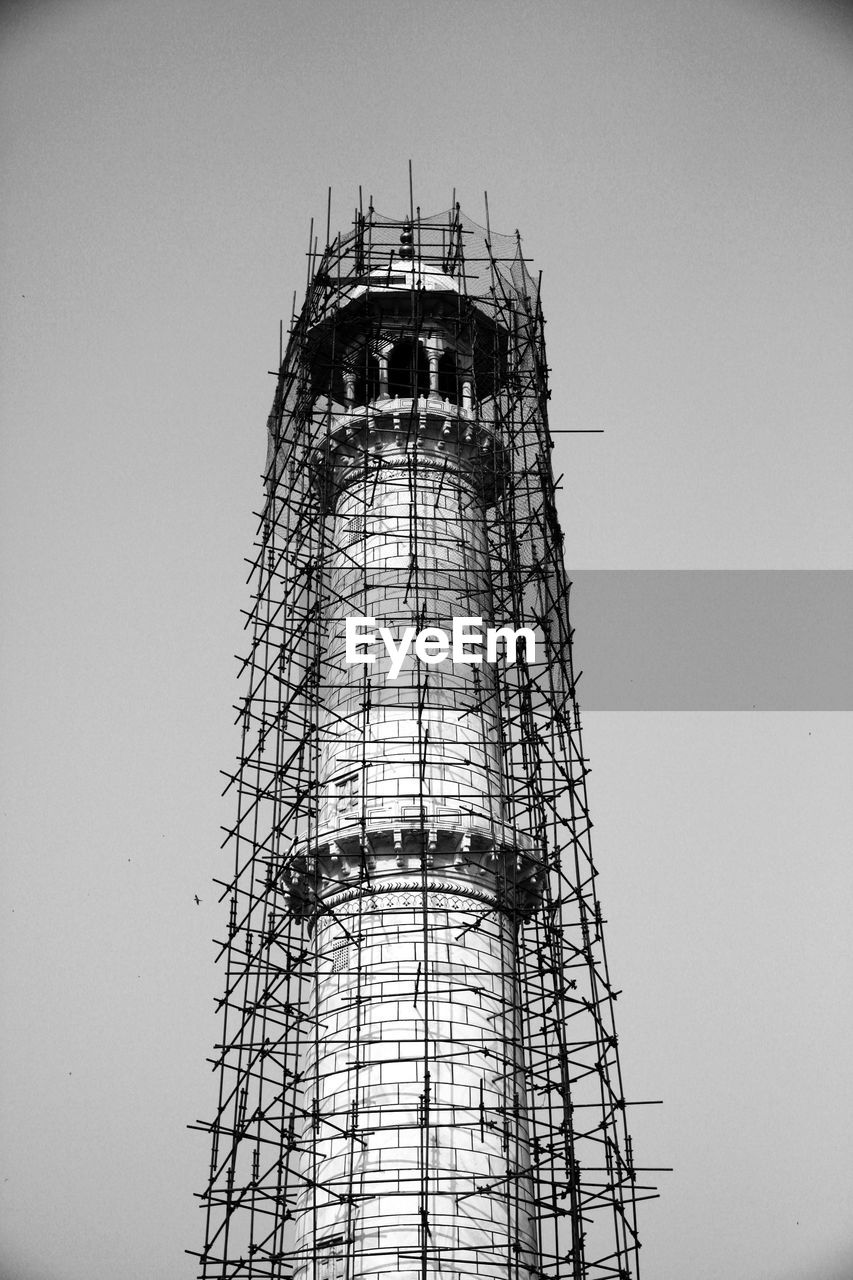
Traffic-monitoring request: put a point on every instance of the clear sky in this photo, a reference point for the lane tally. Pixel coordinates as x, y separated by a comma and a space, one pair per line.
682, 173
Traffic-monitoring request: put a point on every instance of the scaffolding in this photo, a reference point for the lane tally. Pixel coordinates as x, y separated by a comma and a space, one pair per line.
418, 1071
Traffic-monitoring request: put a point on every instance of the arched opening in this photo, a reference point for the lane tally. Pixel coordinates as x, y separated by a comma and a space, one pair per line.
408, 369
448, 377
367, 379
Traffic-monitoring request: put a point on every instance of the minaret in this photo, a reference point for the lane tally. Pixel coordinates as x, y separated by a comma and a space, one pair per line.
414, 874
417, 996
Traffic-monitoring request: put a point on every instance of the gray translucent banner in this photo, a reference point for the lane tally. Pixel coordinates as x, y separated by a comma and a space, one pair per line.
713, 640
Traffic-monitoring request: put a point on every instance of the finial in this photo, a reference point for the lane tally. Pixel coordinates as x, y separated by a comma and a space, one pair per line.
407, 240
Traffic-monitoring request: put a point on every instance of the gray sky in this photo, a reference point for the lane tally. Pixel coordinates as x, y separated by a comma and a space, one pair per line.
681, 172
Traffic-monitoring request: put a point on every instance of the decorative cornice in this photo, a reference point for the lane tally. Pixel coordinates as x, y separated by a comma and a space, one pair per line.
433, 885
